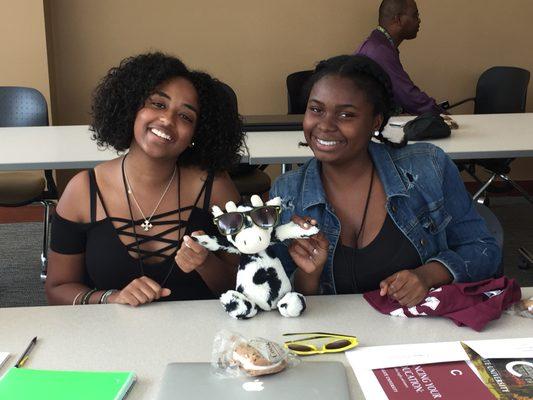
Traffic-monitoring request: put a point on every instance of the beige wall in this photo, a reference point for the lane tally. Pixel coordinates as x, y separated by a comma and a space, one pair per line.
253, 45
23, 43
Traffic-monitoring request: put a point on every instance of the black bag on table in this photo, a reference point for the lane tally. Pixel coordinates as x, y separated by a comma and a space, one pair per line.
427, 126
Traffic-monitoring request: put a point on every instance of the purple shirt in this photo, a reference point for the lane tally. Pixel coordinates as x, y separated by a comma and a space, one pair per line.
473, 304
406, 93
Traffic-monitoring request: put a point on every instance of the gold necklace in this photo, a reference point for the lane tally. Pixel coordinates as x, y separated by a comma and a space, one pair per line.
147, 225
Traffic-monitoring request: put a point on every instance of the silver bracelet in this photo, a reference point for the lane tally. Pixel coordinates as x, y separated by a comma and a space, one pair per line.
87, 296
77, 297
105, 296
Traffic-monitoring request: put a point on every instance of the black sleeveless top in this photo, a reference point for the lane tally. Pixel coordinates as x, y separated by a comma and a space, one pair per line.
108, 263
361, 270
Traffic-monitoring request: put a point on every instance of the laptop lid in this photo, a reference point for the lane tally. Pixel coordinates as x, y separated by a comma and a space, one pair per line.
307, 380
282, 122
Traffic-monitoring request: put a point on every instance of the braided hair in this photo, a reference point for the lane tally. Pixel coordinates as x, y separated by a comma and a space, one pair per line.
369, 77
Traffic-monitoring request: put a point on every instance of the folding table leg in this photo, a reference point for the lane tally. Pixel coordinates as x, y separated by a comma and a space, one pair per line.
526, 258
46, 230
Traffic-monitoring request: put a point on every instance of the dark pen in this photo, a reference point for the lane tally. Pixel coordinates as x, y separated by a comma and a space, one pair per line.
26, 353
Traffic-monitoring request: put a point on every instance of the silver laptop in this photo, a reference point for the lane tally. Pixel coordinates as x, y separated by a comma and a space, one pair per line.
307, 380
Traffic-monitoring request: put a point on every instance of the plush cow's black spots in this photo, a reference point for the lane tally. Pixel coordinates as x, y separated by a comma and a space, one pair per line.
248, 306
245, 314
271, 277
270, 252
232, 305
302, 302
245, 260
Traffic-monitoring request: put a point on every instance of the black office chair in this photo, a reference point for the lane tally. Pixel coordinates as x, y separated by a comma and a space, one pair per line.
22, 106
249, 179
296, 95
499, 90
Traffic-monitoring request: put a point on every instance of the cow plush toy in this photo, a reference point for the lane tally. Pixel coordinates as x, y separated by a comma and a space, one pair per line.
262, 283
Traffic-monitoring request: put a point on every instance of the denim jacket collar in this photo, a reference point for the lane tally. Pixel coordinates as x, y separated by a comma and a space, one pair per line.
390, 178
313, 190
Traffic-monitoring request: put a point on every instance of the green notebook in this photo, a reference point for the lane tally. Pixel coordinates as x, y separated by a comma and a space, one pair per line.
36, 384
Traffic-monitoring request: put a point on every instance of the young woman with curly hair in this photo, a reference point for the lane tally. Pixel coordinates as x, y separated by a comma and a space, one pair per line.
122, 232
392, 217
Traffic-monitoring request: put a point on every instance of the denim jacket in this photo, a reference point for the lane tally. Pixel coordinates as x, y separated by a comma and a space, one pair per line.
426, 199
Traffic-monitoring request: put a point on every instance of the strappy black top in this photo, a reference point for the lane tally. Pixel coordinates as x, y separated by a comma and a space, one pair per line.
108, 263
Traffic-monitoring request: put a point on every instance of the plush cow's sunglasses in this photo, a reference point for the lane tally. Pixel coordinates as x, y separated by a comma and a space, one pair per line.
334, 343
231, 223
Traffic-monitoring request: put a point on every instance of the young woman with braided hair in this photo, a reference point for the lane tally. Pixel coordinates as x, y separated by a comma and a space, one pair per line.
391, 216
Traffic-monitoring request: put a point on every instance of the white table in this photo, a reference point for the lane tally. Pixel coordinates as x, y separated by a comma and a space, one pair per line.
478, 136
145, 339
52, 147
60, 147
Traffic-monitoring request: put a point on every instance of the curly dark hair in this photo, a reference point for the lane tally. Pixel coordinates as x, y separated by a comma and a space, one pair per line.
369, 77
124, 90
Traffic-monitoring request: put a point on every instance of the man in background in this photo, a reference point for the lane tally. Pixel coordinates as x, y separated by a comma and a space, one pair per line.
398, 21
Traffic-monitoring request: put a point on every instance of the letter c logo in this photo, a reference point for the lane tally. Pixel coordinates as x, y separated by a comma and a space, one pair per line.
456, 372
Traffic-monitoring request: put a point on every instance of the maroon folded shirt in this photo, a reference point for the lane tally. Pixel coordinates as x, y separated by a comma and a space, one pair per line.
472, 304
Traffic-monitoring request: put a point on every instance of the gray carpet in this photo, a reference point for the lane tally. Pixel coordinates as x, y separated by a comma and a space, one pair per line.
20, 251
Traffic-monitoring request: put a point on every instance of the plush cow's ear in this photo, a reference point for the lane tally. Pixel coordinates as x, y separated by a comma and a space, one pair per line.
231, 207
216, 211
256, 201
276, 201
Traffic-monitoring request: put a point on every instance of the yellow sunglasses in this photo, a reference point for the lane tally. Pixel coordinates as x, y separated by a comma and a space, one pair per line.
338, 343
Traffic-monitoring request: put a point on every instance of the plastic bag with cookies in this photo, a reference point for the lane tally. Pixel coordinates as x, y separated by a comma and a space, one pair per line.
235, 356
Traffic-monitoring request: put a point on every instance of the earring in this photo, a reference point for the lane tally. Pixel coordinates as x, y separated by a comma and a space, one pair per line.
377, 133
192, 144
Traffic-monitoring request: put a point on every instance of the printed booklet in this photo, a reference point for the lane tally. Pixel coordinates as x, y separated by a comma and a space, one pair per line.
471, 376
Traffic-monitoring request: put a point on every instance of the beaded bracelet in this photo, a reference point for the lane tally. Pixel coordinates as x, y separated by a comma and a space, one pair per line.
87, 296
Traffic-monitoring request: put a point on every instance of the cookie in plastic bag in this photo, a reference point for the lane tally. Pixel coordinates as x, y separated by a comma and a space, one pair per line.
233, 356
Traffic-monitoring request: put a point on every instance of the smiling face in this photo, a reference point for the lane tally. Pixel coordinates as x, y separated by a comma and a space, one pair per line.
165, 124
339, 120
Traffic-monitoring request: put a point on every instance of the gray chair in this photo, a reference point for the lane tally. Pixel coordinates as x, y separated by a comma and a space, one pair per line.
22, 106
